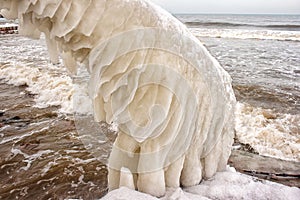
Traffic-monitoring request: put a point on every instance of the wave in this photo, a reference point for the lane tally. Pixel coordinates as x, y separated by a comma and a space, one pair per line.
220, 24
281, 26
268, 132
247, 34
290, 27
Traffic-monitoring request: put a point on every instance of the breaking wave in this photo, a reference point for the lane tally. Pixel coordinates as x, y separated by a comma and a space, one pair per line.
247, 34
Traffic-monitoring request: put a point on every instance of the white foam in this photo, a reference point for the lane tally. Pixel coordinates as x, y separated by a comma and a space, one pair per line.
29, 159
8, 25
51, 89
48, 167
81, 100
19, 138
247, 34
29, 65
270, 134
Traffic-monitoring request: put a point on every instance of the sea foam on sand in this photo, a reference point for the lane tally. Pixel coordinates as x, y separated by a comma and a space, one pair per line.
224, 185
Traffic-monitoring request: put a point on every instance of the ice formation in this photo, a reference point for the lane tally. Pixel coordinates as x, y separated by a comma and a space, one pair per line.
224, 185
171, 99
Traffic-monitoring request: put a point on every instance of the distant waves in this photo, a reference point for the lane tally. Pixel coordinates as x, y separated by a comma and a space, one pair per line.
247, 34
202, 24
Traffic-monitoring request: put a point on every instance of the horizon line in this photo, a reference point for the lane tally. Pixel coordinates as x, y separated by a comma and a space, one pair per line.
226, 13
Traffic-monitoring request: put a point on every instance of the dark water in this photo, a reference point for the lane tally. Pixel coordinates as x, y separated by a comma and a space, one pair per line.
41, 154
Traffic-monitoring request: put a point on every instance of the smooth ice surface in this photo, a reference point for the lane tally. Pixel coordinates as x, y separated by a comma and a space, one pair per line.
172, 101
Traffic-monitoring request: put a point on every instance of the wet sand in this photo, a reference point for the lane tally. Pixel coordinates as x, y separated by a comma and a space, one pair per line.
42, 157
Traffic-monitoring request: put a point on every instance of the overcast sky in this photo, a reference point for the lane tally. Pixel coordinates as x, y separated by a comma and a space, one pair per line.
231, 6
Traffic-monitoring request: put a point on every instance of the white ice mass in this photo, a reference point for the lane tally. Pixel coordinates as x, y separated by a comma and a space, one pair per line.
224, 185
172, 101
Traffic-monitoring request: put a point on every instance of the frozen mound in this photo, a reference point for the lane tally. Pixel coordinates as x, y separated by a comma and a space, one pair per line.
225, 185
172, 101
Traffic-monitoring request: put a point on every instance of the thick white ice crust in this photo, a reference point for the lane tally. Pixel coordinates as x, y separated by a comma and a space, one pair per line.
224, 185
171, 99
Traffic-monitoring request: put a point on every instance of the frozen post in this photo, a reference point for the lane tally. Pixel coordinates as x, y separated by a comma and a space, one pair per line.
171, 99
